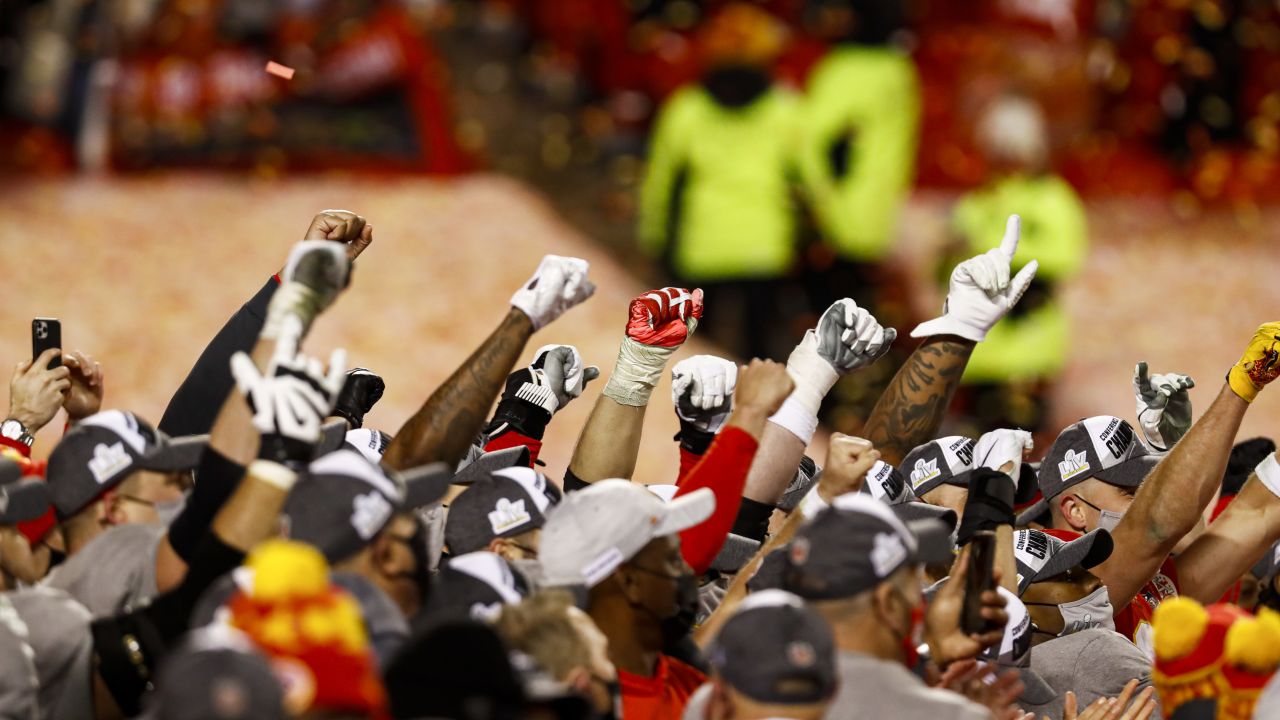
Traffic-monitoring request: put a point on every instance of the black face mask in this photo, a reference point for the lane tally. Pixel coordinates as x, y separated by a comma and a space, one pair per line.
421, 575
678, 624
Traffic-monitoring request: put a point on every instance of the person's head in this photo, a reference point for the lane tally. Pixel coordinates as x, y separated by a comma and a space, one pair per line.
502, 512
773, 658
1054, 582
740, 35
475, 586
622, 542
885, 483
1013, 135
113, 468
22, 500
216, 672
858, 565
936, 471
565, 642
361, 517
1092, 472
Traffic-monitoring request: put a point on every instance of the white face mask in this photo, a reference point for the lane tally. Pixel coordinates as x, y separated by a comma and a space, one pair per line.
1091, 611
168, 510
1108, 520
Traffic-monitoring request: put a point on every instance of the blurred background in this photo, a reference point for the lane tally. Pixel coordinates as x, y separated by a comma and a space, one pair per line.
780, 154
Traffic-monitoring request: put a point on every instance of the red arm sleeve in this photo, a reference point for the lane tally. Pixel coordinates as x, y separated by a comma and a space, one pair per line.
510, 439
688, 461
724, 470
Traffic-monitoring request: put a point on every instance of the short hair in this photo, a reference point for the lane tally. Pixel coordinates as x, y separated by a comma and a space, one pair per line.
540, 627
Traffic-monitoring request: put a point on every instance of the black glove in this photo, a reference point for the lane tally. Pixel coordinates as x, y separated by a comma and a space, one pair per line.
361, 391
990, 503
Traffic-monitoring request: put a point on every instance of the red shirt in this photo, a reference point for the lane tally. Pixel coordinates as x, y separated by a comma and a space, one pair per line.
662, 696
1134, 621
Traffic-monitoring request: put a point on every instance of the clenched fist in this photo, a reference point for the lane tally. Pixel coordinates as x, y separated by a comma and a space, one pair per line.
850, 337
665, 317
849, 459
558, 284
1259, 365
702, 389
342, 226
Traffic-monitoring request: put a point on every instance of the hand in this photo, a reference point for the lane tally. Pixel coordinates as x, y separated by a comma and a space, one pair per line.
981, 292
1259, 365
762, 386
1000, 448
84, 398
361, 390
702, 390
292, 398
1164, 406
849, 337
947, 641
558, 284
1114, 708
36, 392
665, 317
968, 678
849, 459
562, 370
342, 226
315, 274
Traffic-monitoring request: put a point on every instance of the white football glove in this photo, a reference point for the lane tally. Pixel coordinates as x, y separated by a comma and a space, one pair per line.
1163, 406
981, 292
558, 284
997, 448
316, 272
292, 398
562, 370
702, 390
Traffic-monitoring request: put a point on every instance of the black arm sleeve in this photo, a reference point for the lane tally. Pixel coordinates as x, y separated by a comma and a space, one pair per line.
216, 479
195, 405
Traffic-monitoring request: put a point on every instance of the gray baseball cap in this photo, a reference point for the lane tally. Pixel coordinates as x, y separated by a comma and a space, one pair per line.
886, 484
21, 498
343, 501
102, 450
736, 551
485, 463
1103, 447
502, 504
1041, 556
805, 478
853, 546
476, 586
938, 462
775, 650
216, 674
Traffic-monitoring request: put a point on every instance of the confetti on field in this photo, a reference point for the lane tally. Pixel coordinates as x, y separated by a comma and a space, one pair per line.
279, 70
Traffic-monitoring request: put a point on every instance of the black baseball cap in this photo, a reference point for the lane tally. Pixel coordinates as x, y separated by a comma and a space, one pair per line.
938, 462
1041, 556
476, 586
21, 498
801, 483
102, 450
216, 674
343, 501
776, 650
886, 484
500, 504
483, 464
853, 546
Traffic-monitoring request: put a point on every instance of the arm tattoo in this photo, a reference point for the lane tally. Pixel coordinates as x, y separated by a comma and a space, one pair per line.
911, 409
445, 426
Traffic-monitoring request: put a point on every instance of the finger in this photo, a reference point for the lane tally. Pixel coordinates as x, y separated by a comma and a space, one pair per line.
337, 371
353, 231
1012, 231
46, 357
96, 381
1021, 281
1185, 382
20, 369
1143, 707
591, 372
244, 371
1069, 706
1122, 700
553, 366
695, 392
62, 372
876, 344
60, 386
715, 398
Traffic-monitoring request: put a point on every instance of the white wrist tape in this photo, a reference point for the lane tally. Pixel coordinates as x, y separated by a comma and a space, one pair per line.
291, 298
812, 504
812, 374
273, 474
1268, 471
796, 419
636, 373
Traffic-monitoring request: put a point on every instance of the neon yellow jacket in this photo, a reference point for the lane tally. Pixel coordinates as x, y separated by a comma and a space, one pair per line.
729, 171
870, 98
1033, 346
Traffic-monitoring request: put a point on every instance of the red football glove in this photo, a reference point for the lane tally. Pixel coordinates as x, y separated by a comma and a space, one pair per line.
665, 317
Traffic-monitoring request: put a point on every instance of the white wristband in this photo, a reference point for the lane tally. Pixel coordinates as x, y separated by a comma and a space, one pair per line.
812, 504
273, 474
636, 373
1268, 471
812, 374
796, 418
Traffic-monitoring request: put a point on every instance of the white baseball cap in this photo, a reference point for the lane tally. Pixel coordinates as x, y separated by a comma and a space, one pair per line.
594, 530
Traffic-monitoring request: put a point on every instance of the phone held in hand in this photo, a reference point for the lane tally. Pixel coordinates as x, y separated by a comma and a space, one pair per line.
979, 579
46, 333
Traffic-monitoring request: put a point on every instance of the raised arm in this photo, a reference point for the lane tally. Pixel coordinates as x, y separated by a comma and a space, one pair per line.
533, 395
911, 409
1176, 492
1233, 543
658, 322
448, 422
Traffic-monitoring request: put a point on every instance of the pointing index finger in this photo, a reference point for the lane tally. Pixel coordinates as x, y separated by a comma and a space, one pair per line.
1012, 231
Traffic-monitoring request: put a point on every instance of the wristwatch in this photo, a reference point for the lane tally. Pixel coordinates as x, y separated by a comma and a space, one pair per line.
15, 430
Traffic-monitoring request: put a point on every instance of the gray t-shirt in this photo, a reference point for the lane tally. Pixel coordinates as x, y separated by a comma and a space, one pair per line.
56, 628
873, 689
114, 573
1091, 663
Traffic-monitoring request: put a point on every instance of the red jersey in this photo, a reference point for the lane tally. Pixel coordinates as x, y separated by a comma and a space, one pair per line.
1134, 621
662, 696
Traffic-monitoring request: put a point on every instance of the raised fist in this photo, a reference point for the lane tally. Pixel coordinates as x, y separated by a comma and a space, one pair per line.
1259, 365
702, 390
850, 337
558, 284
342, 226
665, 317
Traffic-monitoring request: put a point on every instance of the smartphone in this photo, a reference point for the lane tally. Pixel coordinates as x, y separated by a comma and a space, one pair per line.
46, 333
979, 579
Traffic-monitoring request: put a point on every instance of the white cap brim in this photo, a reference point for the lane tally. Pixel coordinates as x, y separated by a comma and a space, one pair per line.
686, 511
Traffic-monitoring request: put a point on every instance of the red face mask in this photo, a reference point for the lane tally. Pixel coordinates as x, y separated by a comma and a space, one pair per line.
915, 634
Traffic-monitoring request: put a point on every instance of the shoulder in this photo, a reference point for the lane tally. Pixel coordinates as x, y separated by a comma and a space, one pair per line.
683, 675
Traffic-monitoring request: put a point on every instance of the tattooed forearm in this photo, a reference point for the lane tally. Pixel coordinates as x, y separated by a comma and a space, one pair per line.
912, 407
447, 423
